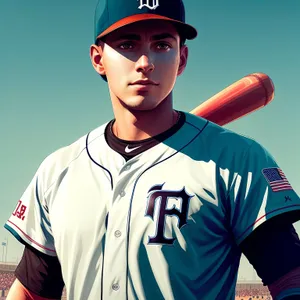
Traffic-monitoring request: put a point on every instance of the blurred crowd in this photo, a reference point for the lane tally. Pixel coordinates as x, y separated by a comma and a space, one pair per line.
253, 297
6, 280
250, 293
257, 293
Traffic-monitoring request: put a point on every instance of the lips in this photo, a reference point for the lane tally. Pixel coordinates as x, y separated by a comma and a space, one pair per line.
144, 82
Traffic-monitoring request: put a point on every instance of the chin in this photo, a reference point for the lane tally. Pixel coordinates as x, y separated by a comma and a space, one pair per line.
141, 103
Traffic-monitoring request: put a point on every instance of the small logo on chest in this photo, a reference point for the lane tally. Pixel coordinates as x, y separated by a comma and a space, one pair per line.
157, 196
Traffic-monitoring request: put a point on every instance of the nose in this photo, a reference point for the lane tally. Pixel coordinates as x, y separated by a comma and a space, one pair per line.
144, 64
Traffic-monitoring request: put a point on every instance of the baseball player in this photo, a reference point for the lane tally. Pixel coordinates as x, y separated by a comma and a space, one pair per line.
156, 203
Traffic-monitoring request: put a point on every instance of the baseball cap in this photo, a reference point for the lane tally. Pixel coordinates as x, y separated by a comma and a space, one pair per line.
113, 14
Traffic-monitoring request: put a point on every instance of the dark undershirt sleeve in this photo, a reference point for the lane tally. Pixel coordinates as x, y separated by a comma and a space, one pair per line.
273, 248
40, 273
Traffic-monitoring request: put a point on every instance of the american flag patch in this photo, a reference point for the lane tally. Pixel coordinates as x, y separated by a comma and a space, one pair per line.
276, 179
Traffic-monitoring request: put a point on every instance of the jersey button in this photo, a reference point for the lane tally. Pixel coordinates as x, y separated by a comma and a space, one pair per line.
122, 194
115, 286
118, 233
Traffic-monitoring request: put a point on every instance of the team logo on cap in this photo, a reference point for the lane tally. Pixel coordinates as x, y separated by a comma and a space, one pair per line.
147, 3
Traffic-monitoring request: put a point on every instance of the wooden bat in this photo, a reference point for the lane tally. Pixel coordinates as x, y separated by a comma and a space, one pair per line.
241, 98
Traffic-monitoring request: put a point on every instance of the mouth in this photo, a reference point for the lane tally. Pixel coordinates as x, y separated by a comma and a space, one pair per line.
144, 82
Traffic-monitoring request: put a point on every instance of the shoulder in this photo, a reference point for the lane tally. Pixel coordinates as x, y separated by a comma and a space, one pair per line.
63, 156
223, 143
57, 162
218, 136
215, 131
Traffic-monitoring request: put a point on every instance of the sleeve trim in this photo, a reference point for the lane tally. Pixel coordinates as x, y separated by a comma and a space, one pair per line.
9, 228
259, 220
14, 233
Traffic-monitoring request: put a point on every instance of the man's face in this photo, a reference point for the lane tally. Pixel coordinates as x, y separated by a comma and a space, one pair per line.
141, 62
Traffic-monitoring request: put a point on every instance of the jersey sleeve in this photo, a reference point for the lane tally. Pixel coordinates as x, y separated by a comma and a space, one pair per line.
258, 191
30, 221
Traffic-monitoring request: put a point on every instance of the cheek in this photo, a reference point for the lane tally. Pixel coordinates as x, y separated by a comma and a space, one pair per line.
115, 65
168, 68
168, 64
117, 71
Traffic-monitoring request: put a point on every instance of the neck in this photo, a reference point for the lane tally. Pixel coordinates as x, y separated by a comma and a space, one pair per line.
136, 125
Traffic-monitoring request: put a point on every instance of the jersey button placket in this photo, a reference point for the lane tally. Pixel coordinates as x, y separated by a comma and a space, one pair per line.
114, 278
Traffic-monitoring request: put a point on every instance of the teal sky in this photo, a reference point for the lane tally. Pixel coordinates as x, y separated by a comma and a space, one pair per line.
50, 95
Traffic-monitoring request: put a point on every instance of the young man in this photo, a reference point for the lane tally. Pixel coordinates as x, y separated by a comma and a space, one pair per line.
157, 203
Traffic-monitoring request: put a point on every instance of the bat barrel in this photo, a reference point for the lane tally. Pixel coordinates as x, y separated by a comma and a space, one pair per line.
247, 95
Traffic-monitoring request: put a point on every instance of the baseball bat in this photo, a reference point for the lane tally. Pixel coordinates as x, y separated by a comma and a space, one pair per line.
241, 98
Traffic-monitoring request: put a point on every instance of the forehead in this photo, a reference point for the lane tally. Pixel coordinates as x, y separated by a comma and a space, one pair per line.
151, 27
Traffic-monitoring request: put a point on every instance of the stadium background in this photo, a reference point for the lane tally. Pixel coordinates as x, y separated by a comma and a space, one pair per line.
248, 288
245, 290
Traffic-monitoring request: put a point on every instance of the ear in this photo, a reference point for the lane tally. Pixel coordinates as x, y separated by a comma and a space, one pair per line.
96, 56
184, 52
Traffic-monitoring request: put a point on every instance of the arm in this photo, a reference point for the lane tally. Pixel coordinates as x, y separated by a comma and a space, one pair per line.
39, 272
38, 276
18, 291
287, 287
277, 260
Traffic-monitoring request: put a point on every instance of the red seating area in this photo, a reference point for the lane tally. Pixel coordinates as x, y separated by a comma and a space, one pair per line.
243, 291
252, 292
6, 280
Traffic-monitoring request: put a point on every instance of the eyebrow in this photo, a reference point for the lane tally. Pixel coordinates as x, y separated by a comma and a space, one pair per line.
136, 37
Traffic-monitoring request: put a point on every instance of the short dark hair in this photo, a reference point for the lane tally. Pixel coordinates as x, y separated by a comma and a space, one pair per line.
182, 41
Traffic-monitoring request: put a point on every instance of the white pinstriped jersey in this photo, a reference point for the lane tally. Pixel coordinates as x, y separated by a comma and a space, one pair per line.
164, 225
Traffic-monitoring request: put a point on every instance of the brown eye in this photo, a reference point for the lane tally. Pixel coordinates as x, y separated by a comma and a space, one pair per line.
126, 46
163, 46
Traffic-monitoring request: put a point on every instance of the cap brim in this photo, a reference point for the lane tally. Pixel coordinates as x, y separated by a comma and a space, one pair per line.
188, 31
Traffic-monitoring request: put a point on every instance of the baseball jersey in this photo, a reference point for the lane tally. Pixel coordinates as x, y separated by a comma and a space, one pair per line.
165, 224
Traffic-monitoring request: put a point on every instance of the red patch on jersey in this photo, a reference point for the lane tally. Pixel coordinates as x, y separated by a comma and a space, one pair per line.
20, 210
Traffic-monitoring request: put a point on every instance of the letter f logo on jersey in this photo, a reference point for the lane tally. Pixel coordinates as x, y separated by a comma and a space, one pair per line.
154, 195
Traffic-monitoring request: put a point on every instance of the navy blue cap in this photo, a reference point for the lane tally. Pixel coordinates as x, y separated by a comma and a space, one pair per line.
113, 14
